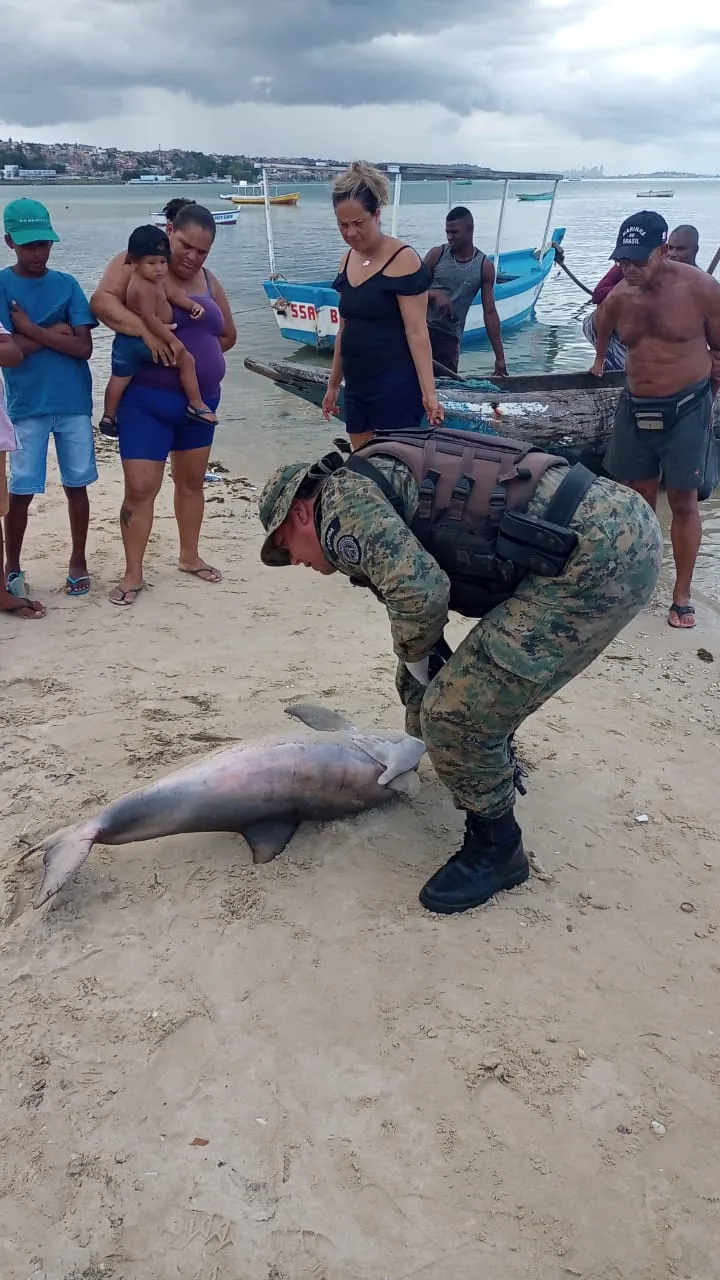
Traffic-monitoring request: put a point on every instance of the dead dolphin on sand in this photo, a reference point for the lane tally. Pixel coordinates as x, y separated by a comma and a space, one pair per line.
262, 789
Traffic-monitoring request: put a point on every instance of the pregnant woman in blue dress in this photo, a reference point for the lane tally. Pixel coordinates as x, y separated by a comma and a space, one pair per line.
152, 419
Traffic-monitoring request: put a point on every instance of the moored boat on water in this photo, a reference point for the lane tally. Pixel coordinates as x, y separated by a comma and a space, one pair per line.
307, 311
568, 414
222, 218
534, 195
254, 193
664, 194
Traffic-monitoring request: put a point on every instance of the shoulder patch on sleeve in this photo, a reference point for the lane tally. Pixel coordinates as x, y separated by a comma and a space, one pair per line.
348, 549
330, 535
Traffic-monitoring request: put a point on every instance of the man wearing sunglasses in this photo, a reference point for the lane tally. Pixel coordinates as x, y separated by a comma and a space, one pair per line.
667, 314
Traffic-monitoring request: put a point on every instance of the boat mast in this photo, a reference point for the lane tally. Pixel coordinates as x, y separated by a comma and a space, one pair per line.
393, 168
541, 251
506, 185
268, 224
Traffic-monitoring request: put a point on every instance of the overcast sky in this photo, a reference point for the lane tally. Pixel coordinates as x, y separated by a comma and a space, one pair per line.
519, 84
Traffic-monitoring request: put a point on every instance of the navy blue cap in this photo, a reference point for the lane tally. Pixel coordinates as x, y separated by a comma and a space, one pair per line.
640, 235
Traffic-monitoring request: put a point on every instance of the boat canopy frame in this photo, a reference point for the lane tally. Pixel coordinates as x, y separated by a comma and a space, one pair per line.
425, 173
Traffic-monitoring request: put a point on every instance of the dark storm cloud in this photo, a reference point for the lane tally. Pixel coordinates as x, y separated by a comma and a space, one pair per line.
83, 60
80, 63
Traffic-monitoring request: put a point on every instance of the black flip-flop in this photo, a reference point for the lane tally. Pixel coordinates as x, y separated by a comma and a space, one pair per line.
682, 611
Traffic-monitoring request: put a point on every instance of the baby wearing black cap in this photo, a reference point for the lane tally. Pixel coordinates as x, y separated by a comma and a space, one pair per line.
151, 296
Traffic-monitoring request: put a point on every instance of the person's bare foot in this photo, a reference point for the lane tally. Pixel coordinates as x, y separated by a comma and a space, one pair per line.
681, 617
21, 606
201, 570
77, 582
125, 595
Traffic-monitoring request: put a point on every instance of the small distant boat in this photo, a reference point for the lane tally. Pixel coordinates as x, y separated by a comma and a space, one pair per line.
254, 193
534, 195
463, 182
222, 217
665, 194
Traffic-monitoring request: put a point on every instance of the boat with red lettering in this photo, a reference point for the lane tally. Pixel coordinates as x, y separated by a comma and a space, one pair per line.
307, 311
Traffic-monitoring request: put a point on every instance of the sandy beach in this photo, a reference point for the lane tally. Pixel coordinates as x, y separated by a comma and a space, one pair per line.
216, 1071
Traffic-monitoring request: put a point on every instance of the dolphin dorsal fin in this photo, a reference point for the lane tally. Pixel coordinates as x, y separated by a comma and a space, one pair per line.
323, 719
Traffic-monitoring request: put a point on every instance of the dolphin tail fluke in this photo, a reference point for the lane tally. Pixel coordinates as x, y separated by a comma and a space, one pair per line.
64, 854
322, 719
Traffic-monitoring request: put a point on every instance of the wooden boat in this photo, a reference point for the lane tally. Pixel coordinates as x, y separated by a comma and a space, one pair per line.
307, 311
568, 414
222, 218
534, 195
254, 193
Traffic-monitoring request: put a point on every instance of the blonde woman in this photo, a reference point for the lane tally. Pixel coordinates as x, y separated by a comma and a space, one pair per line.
382, 350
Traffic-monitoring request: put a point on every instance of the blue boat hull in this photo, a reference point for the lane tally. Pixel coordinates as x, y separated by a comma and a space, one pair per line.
307, 314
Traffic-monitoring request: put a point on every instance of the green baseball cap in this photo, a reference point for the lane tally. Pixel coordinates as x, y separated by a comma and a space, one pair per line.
27, 222
276, 499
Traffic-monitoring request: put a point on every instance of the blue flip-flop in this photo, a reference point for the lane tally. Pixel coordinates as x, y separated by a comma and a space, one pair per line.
16, 584
73, 584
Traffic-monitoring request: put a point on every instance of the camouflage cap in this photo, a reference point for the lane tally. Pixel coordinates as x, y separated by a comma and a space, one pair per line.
275, 502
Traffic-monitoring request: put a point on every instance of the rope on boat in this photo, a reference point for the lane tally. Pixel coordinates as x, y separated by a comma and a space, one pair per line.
560, 261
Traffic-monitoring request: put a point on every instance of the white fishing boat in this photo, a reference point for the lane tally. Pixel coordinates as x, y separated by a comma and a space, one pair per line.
307, 312
664, 194
222, 218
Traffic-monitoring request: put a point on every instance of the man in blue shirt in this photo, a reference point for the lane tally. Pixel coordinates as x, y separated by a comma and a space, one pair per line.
51, 391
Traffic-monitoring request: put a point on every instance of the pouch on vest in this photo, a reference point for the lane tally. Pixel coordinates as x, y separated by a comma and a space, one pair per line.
473, 490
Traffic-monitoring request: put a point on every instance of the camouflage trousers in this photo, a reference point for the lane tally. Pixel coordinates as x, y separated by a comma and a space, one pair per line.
528, 648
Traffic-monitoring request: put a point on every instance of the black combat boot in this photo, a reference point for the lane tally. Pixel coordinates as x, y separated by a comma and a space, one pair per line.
492, 858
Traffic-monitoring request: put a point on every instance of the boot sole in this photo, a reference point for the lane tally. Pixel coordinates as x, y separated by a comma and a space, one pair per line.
446, 909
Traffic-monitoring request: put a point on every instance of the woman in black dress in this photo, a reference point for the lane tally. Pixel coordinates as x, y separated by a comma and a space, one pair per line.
382, 349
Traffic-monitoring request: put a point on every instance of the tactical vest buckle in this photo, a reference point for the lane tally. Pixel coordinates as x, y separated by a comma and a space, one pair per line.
426, 495
459, 497
497, 503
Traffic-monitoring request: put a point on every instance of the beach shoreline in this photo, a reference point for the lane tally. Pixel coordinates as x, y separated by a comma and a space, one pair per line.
214, 1070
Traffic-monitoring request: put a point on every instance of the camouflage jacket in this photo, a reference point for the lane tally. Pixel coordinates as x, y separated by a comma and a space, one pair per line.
364, 538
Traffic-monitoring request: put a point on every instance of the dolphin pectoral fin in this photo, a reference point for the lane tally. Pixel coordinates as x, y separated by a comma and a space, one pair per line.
323, 719
267, 839
406, 784
397, 757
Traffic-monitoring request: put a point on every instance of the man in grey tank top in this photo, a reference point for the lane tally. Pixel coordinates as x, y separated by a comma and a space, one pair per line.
460, 272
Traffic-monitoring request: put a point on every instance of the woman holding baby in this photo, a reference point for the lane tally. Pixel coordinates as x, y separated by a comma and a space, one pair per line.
152, 419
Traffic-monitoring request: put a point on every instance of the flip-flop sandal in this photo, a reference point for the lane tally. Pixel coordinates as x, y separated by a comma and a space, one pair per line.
108, 426
124, 602
16, 584
207, 417
681, 611
25, 603
72, 583
205, 568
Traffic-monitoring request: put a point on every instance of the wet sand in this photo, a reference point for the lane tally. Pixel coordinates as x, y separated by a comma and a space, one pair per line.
217, 1071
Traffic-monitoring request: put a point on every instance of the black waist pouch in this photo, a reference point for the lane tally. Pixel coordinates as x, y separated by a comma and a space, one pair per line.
544, 545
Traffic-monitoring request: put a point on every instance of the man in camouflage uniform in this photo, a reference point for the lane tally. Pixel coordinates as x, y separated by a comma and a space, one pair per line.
514, 659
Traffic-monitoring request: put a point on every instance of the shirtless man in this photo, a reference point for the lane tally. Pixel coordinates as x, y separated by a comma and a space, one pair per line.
667, 314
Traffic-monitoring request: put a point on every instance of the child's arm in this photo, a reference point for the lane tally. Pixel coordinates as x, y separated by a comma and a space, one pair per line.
177, 297
144, 303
